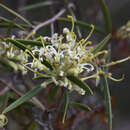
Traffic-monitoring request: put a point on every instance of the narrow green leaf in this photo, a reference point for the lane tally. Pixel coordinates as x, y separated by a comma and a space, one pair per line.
37, 5
5, 63
32, 42
80, 83
81, 24
7, 22
81, 106
107, 100
3, 19
102, 44
17, 44
16, 14
3, 101
53, 93
65, 107
23, 99
20, 26
32, 6
107, 17
105, 86
11, 25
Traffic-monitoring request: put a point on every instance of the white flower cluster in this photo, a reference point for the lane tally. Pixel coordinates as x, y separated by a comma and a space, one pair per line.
124, 31
10, 53
66, 56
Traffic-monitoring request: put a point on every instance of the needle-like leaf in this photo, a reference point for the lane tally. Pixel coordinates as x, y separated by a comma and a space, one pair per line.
23, 99
80, 83
102, 44
81, 106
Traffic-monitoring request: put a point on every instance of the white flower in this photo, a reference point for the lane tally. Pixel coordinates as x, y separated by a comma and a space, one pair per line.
68, 57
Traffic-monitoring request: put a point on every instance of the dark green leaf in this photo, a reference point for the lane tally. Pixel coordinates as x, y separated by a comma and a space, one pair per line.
107, 100
102, 44
53, 93
32, 42
66, 103
37, 5
5, 63
105, 86
107, 17
80, 83
16, 14
23, 99
81, 106
11, 25
20, 26
5, 23
3, 101
82, 24
18, 44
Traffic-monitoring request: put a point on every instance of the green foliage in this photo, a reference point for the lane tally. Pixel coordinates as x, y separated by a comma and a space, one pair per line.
60, 60
16, 14
66, 103
23, 99
81, 24
107, 17
102, 44
80, 83
81, 106
53, 94
107, 100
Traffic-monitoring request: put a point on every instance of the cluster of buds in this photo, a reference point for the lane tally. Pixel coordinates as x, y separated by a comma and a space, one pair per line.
124, 31
12, 55
3, 120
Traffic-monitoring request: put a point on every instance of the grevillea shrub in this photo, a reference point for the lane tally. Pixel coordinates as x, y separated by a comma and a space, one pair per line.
61, 61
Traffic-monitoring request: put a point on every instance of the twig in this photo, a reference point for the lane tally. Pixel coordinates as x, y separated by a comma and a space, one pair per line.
49, 21
9, 86
3, 91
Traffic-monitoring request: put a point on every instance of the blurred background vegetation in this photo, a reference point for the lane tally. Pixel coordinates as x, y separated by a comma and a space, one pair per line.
88, 11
